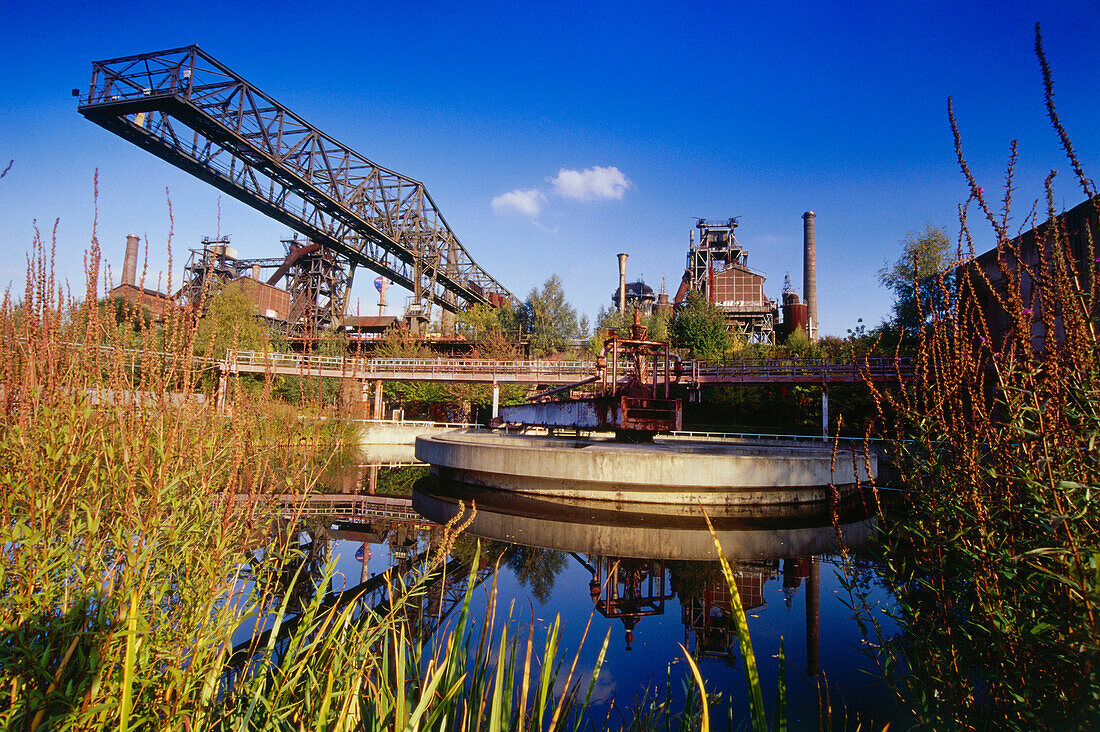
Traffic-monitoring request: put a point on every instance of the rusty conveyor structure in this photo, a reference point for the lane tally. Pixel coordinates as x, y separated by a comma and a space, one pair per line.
632, 392
190, 110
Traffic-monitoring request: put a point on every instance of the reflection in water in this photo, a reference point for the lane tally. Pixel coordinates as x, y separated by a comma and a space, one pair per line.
652, 576
627, 589
389, 477
643, 531
536, 569
626, 548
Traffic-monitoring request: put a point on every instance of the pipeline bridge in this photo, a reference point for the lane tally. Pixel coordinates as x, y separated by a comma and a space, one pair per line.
485, 371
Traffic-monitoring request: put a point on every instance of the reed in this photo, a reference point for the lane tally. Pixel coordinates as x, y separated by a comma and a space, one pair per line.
994, 555
138, 554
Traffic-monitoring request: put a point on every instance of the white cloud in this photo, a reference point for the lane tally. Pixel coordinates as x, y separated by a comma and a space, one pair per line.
526, 203
591, 184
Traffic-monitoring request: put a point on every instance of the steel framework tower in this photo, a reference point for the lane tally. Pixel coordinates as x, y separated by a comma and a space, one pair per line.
719, 267
190, 110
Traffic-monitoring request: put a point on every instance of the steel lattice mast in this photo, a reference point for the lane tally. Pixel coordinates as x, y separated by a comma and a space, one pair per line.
190, 110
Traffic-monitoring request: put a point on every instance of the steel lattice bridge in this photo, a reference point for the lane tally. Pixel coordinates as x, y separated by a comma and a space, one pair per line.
192, 111
484, 371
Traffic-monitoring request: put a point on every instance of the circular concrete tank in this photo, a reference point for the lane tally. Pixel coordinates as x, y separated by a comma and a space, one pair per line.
666, 472
642, 531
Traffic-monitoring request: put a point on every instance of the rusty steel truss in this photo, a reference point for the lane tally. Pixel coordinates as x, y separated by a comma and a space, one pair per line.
192, 111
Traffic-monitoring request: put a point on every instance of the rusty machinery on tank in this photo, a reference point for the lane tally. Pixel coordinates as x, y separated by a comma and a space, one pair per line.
630, 393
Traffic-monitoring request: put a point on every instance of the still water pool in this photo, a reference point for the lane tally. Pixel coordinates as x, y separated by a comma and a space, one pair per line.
650, 580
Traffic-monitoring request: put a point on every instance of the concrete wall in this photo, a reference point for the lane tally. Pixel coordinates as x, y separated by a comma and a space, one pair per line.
384, 432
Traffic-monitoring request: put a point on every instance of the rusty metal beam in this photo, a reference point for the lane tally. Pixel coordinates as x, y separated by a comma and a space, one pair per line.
190, 110
631, 414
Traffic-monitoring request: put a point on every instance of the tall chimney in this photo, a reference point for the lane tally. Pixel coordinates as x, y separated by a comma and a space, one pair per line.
129, 265
809, 272
622, 283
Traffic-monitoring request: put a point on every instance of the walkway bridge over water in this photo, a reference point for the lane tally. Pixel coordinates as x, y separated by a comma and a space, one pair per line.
484, 371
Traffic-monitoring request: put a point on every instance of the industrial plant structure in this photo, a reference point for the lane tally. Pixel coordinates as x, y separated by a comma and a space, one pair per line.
190, 110
156, 303
301, 293
1034, 253
717, 268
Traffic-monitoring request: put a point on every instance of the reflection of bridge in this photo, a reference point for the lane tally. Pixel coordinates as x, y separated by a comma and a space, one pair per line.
484, 371
436, 591
347, 507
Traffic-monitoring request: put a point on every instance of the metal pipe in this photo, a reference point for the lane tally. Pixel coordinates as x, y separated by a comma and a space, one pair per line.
622, 283
809, 272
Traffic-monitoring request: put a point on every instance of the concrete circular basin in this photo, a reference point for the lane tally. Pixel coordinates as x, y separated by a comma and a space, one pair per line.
667, 472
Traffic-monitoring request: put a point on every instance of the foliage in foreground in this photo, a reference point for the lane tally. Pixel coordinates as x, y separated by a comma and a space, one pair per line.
136, 555
995, 560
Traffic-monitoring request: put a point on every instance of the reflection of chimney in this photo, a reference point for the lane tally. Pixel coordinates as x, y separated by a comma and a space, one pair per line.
813, 619
129, 265
809, 272
622, 283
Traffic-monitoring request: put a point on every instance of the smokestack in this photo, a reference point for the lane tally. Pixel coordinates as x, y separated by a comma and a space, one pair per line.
809, 272
622, 283
129, 265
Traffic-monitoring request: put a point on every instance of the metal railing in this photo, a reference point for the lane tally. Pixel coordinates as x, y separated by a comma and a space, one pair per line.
408, 368
343, 506
817, 368
488, 370
823, 369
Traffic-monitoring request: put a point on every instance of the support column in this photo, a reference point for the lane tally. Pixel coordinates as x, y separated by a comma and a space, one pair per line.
824, 411
496, 400
378, 399
219, 393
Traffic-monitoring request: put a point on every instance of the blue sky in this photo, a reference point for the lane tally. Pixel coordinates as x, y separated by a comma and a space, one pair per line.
657, 113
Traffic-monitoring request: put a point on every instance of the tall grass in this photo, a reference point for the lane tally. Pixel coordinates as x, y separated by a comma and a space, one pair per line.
137, 550
995, 555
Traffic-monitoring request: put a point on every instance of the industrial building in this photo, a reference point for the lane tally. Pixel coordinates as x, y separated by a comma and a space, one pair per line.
157, 303
1032, 252
639, 296
314, 283
717, 268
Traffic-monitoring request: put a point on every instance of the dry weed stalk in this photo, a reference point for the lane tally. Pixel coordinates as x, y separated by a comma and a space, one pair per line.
994, 557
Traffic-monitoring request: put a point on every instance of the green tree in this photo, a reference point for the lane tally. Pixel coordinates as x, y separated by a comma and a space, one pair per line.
478, 322
537, 569
918, 278
548, 318
657, 324
700, 327
230, 321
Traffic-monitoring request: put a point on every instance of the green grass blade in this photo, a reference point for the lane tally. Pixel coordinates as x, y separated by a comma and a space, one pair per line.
498, 685
781, 692
752, 675
704, 723
128, 665
595, 674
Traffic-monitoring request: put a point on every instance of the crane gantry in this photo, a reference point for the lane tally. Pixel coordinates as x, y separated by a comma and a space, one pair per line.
190, 110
